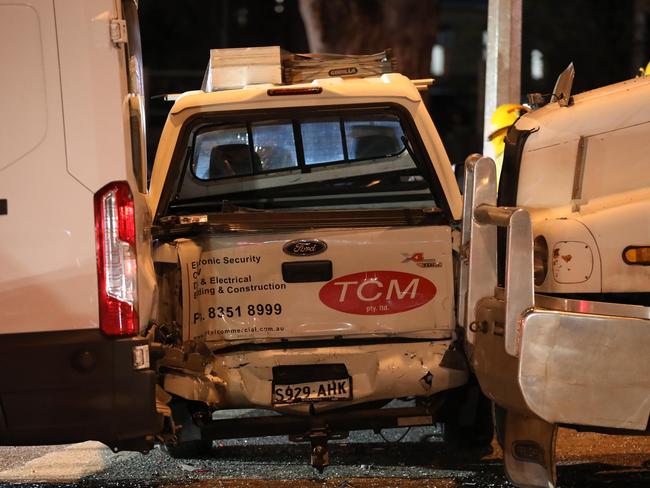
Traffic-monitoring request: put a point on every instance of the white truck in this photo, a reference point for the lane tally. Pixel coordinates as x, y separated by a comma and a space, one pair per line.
303, 239
555, 281
72, 365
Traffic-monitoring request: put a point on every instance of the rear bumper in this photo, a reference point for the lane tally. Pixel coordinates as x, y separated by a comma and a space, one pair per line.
71, 386
377, 372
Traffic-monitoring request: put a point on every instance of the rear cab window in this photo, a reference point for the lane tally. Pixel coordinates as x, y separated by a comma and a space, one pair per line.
343, 158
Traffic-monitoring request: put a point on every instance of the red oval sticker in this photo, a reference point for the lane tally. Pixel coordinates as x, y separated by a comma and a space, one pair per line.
377, 292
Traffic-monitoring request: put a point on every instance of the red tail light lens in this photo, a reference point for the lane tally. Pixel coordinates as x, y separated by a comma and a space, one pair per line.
116, 259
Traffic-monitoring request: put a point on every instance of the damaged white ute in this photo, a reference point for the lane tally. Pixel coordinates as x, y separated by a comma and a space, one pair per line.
304, 240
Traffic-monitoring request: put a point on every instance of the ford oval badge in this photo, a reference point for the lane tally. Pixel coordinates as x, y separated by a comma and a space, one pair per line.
304, 247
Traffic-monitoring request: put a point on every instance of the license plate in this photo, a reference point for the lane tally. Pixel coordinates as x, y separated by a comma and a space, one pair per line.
313, 391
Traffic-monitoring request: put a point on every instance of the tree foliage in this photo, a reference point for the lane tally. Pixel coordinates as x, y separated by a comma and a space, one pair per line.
369, 26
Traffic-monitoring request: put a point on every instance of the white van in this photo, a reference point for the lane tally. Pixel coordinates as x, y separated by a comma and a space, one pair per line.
72, 180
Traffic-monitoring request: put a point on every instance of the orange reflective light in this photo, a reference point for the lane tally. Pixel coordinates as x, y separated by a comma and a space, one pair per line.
637, 255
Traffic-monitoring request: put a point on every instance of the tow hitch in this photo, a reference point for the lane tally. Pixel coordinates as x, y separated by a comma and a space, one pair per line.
319, 437
318, 430
320, 456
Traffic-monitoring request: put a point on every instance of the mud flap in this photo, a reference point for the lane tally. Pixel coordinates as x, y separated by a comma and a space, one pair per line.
529, 451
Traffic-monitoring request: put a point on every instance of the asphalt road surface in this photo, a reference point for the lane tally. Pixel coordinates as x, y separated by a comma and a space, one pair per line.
364, 460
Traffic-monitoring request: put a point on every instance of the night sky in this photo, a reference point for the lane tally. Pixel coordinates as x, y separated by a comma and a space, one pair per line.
608, 40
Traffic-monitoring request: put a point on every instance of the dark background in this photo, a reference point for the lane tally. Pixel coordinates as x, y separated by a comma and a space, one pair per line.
608, 40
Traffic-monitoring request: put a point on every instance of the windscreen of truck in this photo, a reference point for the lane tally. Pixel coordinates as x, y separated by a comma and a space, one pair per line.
322, 158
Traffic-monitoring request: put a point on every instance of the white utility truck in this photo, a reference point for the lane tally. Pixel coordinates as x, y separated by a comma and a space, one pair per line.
555, 276
303, 238
71, 365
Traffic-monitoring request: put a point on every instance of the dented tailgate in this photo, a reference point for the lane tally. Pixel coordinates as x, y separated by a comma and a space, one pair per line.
327, 283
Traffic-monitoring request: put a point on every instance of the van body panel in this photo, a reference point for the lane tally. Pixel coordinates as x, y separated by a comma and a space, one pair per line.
64, 134
93, 91
49, 280
24, 112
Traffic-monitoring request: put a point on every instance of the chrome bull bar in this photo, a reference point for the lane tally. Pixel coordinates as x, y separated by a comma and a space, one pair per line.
478, 275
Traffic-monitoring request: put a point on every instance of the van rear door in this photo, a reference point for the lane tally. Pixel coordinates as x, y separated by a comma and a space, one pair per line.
66, 375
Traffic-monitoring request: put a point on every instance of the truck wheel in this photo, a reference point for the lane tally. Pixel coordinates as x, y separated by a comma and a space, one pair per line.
188, 443
470, 424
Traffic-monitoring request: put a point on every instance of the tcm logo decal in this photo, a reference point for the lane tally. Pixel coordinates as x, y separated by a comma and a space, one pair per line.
377, 292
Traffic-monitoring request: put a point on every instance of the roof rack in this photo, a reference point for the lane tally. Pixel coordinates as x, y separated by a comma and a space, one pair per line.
303, 68
236, 68
239, 67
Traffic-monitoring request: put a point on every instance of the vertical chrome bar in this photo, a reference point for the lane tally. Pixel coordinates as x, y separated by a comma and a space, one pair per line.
479, 267
468, 198
482, 265
520, 288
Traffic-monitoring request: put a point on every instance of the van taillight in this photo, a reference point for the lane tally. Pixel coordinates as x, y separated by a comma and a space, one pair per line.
116, 260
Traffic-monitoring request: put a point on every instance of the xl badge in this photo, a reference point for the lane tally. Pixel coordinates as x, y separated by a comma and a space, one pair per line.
304, 247
419, 259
